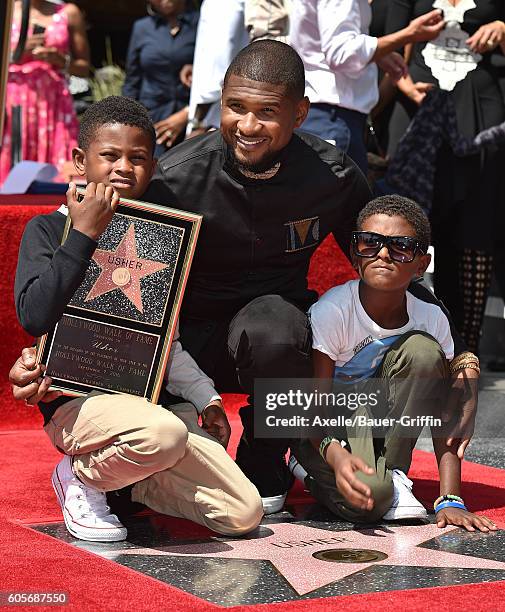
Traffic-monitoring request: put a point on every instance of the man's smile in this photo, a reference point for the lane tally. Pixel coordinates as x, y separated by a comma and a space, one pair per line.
249, 143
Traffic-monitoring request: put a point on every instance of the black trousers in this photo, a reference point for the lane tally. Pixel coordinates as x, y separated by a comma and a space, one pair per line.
268, 338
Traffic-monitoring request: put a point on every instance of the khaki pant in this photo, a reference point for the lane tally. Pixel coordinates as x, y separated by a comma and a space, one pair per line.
414, 368
179, 469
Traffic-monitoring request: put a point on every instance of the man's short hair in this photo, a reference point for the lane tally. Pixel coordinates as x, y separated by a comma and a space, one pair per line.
115, 109
399, 206
270, 61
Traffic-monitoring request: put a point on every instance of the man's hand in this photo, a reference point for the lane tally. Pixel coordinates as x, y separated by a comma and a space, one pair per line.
215, 422
463, 518
426, 27
168, 130
94, 213
27, 381
462, 407
344, 465
393, 65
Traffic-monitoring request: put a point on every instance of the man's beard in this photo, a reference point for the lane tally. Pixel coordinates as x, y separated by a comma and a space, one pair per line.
259, 167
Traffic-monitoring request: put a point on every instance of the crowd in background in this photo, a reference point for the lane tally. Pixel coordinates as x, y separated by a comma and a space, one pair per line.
370, 67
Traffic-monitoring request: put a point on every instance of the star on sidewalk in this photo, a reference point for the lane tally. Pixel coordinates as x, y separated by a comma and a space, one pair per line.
122, 269
290, 548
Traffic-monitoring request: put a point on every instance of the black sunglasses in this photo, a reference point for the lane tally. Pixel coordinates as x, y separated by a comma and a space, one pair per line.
402, 249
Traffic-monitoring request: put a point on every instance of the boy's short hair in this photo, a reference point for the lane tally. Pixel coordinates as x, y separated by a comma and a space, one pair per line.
115, 109
270, 61
396, 205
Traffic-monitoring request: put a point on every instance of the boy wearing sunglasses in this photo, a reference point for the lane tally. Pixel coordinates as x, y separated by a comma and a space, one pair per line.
373, 328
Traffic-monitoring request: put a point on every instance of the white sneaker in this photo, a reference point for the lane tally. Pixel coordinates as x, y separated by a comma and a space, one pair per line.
273, 504
405, 505
85, 510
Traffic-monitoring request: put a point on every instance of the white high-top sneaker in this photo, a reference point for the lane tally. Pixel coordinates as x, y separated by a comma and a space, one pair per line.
85, 510
405, 505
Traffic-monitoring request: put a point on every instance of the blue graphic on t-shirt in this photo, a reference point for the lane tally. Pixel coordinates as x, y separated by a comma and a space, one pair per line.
366, 361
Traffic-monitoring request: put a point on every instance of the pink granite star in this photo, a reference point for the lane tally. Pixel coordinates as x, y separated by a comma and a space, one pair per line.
290, 549
122, 269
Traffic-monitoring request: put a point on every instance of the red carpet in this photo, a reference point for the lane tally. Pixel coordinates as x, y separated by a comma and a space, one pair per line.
31, 561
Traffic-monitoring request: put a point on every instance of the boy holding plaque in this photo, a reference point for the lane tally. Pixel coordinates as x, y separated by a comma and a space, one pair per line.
112, 441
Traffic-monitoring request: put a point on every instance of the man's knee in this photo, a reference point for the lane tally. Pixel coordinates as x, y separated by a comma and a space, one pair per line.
162, 443
270, 320
244, 512
270, 338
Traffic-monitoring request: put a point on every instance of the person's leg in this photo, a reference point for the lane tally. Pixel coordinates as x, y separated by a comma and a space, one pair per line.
475, 269
462, 280
417, 372
415, 368
343, 127
321, 122
446, 283
268, 338
182, 474
356, 123
108, 441
116, 440
205, 486
321, 478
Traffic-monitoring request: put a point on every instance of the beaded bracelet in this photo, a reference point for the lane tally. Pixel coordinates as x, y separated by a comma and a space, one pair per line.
447, 497
450, 504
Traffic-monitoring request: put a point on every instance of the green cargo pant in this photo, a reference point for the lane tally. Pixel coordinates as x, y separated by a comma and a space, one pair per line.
415, 368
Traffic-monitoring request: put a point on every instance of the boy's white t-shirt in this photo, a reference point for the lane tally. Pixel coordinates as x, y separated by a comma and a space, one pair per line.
342, 330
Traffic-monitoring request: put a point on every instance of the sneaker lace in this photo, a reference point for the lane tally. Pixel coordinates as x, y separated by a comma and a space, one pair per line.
399, 478
403, 478
92, 502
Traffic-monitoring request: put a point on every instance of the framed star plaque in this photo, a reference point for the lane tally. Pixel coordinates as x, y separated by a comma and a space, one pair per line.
116, 332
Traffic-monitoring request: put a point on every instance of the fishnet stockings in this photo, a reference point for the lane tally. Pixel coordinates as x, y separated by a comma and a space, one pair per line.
474, 271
